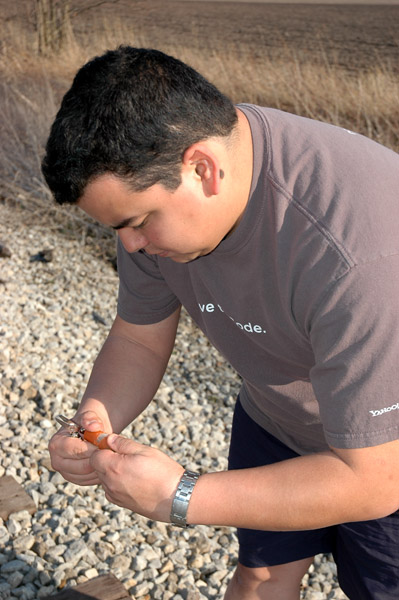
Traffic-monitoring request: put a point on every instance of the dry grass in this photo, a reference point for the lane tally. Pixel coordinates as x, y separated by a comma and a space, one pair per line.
364, 101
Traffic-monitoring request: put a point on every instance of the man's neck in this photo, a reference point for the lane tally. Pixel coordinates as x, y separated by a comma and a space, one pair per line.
241, 168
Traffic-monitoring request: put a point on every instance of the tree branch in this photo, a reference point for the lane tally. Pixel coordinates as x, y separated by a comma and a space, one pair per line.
77, 11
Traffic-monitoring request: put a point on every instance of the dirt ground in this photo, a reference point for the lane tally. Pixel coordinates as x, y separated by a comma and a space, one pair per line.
352, 35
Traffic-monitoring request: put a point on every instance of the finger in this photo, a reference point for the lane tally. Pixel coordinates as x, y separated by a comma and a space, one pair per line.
123, 445
90, 421
65, 446
71, 466
101, 461
110, 497
85, 480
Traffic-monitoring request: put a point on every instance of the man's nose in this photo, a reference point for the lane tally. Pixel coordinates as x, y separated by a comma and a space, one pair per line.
132, 240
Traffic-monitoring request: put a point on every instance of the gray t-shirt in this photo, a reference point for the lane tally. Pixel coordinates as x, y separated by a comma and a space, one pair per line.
303, 297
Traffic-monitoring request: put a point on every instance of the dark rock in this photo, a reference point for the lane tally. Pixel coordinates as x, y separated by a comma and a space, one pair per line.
4, 251
45, 256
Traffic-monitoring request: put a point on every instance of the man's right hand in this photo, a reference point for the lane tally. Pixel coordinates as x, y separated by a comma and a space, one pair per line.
70, 456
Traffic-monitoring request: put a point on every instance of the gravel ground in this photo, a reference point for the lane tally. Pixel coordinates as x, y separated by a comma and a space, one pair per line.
55, 316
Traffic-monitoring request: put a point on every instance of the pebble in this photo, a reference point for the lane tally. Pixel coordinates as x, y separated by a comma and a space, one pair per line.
50, 333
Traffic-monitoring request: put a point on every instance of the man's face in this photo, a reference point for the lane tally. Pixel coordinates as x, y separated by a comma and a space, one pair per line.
180, 225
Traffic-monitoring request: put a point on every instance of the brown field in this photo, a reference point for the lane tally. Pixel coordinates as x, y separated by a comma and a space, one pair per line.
352, 36
355, 36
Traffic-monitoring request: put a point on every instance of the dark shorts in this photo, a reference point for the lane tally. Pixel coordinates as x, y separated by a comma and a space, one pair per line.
366, 553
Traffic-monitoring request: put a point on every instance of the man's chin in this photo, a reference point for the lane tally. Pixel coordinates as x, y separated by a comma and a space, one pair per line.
183, 258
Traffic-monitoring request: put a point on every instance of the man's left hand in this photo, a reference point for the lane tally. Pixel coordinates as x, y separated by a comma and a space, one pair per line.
138, 477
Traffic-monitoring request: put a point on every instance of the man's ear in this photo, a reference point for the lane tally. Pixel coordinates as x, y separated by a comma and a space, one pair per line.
205, 165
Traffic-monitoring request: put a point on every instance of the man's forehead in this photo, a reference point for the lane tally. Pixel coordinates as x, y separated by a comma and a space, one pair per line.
105, 181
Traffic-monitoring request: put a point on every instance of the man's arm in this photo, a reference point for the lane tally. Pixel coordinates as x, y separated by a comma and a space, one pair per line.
128, 370
307, 492
124, 379
302, 493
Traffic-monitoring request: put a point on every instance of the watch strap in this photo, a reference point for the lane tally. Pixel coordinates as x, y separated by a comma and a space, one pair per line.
182, 498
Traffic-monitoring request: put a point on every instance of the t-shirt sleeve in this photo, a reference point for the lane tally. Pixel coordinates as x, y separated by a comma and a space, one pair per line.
144, 297
355, 339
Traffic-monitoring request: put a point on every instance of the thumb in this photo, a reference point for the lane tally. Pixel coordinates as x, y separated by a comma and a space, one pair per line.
90, 421
123, 445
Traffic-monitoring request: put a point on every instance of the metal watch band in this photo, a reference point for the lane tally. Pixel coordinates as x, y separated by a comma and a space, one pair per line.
182, 498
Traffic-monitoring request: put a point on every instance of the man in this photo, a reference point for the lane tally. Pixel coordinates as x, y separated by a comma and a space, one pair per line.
280, 236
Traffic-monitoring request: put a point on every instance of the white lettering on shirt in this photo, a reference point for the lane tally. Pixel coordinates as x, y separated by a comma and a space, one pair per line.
249, 327
381, 411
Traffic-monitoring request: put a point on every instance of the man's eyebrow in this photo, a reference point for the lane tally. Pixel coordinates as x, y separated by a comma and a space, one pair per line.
124, 223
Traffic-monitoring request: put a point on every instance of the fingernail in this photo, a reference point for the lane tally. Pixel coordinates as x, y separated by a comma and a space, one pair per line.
112, 437
92, 422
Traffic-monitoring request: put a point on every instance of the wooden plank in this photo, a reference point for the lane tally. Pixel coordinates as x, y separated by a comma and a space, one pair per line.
13, 498
103, 587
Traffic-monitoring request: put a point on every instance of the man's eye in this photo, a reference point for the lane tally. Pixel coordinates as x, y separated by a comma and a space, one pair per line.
140, 225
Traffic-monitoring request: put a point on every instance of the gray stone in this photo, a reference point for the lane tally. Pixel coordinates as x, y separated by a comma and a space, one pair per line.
23, 543
75, 552
121, 562
14, 566
15, 579
5, 590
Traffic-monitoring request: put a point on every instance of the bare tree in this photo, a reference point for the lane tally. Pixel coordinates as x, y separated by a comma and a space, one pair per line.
53, 25
53, 22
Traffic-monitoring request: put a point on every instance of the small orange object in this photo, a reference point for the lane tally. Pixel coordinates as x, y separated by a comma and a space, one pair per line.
98, 438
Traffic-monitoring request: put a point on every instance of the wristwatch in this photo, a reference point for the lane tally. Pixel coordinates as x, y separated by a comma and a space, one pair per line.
182, 498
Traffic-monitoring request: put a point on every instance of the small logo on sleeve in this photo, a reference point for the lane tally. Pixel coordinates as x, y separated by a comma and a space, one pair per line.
382, 411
